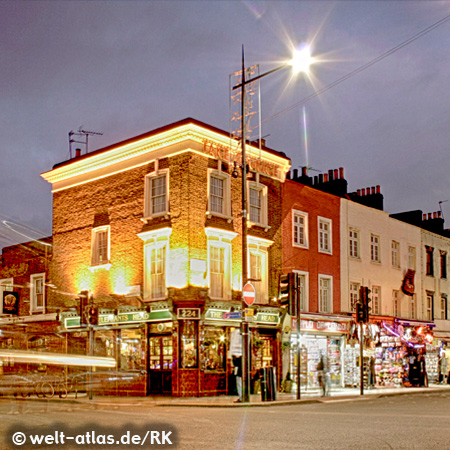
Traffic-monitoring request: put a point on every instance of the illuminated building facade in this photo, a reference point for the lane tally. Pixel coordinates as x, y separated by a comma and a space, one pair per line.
27, 321
150, 230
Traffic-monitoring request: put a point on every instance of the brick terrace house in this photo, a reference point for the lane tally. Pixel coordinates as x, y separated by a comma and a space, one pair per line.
311, 249
151, 228
27, 322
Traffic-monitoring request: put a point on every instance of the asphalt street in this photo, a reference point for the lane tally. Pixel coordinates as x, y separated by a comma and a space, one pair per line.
412, 421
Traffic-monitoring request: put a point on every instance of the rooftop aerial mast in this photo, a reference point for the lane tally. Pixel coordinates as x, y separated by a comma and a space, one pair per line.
81, 137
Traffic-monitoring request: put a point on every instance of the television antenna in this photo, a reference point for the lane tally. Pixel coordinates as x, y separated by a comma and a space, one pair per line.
81, 137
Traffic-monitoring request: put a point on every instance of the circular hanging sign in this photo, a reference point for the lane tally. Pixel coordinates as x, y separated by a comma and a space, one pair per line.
248, 293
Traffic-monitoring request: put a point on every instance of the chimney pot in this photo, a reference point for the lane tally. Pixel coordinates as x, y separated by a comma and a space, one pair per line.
295, 174
336, 174
320, 178
341, 173
424, 216
358, 192
378, 189
373, 190
304, 171
77, 152
429, 216
325, 177
330, 175
435, 215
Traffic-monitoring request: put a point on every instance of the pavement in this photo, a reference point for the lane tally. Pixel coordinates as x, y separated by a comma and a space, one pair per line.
226, 401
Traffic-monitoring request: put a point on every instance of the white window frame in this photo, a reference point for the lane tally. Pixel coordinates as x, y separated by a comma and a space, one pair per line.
329, 301
413, 307
33, 298
412, 257
304, 292
444, 302
155, 239
354, 293
260, 247
6, 284
376, 300
226, 199
396, 310
375, 248
329, 234
148, 199
301, 228
263, 222
95, 260
353, 243
429, 306
395, 254
218, 238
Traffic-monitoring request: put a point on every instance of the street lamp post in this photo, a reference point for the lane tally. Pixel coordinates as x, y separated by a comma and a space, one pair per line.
300, 63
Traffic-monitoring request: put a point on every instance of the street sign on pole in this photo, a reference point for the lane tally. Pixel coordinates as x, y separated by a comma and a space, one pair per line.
248, 294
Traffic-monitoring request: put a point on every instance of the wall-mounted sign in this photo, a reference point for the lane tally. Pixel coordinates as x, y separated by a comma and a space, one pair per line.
408, 282
320, 325
11, 303
188, 313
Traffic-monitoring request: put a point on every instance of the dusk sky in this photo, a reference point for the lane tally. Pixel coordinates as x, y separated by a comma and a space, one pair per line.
123, 68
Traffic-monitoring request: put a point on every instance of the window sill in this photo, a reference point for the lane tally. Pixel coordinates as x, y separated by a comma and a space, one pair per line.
106, 266
306, 247
148, 219
327, 252
211, 214
260, 225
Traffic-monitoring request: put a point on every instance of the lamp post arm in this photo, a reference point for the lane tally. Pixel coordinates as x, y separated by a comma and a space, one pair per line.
251, 80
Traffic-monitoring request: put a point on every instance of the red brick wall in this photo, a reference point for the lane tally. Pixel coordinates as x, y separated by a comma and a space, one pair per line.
315, 203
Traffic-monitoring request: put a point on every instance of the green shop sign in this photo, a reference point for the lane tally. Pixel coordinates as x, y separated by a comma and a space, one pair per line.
124, 318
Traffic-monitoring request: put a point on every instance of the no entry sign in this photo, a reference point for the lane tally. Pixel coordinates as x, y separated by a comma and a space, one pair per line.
248, 293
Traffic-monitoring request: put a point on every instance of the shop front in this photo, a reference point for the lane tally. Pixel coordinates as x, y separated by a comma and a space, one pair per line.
181, 351
322, 337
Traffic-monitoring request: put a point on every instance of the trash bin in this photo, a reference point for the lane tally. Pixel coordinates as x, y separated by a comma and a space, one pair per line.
268, 386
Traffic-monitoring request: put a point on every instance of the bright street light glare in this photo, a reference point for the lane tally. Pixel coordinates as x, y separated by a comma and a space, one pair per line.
301, 60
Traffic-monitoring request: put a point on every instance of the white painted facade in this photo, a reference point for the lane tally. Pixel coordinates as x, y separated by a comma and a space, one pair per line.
377, 251
436, 286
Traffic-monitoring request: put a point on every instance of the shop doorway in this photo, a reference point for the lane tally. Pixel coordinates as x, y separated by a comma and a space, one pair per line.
160, 364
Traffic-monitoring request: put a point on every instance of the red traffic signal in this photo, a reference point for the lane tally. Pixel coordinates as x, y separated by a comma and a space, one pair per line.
92, 315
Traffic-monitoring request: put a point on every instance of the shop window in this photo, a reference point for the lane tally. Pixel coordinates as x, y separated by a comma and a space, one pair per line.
213, 349
160, 352
132, 349
5, 285
261, 351
429, 269
100, 246
188, 344
300, 229
325, 243
325, 294
37, 292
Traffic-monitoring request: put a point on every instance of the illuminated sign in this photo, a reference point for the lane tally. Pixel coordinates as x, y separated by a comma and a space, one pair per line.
124, 318
188, 313
320, 326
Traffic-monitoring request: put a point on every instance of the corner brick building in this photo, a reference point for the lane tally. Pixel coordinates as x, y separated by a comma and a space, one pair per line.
149, 231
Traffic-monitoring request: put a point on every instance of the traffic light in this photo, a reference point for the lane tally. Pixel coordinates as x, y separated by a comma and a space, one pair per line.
362, 306
92, 315
288, 292
82, 302
359, 313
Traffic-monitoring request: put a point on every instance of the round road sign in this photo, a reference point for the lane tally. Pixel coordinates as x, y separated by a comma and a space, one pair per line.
248, 293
